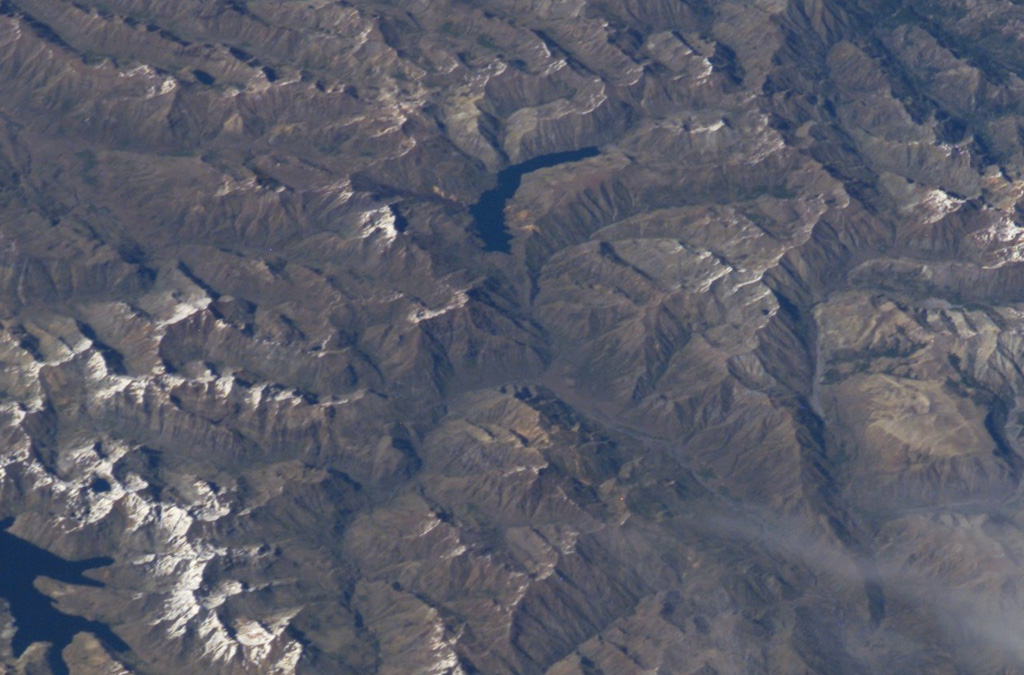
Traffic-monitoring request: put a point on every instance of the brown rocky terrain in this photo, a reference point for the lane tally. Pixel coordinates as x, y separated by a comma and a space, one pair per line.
745, 395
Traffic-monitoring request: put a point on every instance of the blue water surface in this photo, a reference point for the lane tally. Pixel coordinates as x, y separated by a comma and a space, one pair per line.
489, 212
36, 618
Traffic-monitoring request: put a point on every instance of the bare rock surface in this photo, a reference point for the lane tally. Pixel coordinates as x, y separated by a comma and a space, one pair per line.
745, 394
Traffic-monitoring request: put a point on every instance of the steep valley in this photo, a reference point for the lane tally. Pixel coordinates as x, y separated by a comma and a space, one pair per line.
731, 380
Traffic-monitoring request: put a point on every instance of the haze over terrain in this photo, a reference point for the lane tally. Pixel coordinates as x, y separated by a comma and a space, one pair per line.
516, 336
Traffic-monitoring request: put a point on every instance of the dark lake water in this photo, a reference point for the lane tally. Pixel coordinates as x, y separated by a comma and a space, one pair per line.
37, 620
489, 213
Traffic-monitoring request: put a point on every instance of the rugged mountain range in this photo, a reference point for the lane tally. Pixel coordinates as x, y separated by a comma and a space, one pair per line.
744, 394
